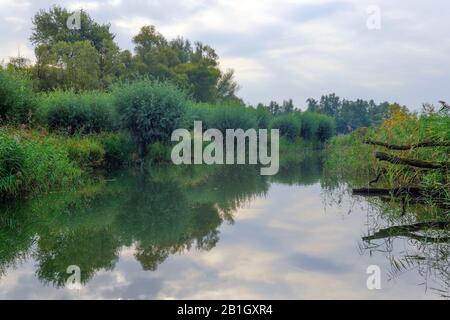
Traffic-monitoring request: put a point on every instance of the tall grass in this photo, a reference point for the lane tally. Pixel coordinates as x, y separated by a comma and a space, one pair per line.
31, 162
17, 98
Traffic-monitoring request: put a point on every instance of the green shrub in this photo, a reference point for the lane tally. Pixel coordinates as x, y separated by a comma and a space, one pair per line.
263, 117
17, 98
83, 113
86, 152
159, 152
196, 112
149, 110
118, 148
225, 116
288, 124
326, 128
317, 126
310, 124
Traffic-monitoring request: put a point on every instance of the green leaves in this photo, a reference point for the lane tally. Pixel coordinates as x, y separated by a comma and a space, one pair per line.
149, 110
68, 112
17, 98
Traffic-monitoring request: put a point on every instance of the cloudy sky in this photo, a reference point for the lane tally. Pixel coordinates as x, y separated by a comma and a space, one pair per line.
286, 49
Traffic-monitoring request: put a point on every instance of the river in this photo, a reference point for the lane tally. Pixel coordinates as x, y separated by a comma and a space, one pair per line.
217, 232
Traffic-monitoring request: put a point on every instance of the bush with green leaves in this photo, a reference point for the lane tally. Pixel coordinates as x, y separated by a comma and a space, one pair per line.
289, 125
78, 113
149, 110
118, 148
196, 112
17, 98
326, 128
87, 152
263, 117
316, 126
231, 116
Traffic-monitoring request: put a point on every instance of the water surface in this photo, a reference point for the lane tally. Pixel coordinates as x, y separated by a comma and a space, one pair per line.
221, 232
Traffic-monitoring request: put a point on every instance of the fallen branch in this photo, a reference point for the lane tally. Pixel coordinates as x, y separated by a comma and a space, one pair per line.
377, 192
423, 144
409, 231
411, 162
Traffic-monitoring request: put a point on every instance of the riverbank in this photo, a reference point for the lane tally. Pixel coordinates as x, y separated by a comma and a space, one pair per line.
35, 160
404, 162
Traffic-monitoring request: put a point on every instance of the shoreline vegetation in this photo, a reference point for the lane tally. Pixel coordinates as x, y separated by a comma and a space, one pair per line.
68, 137
401, 166
86, 106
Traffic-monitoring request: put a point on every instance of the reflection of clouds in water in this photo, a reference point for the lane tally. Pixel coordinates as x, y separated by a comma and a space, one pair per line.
283, 245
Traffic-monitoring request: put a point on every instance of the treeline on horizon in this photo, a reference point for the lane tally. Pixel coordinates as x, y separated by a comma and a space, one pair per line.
86, 103
89, 59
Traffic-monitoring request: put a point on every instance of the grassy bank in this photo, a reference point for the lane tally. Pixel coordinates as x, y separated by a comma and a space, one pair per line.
51, 139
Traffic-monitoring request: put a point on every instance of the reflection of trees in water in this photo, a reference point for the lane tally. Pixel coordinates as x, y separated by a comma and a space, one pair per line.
304, 173
88, 227
169, 212
91, 250
16, 238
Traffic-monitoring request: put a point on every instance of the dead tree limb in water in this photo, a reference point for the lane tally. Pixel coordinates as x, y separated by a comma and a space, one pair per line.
378, 192
422, 144
411, 162
408, 231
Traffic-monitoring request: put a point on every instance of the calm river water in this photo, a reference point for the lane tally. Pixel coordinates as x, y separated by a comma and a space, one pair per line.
221, 232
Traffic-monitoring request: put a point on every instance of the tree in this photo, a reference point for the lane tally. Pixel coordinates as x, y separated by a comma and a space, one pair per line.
274, 108
192, 68
149, 110
330, 105
68, 65
227, 87
313, 105
50, 27
288, 106
19, 63
110, 63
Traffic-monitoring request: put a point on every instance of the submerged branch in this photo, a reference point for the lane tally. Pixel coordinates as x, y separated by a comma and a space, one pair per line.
408, 231
411, 162
377, 192
422, 144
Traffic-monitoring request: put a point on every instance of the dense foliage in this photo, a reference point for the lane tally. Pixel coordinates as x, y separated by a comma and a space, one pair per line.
352, 160
149, 110
89, 58
350, 115
289, 125
17, 99
68, 112
31, 162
